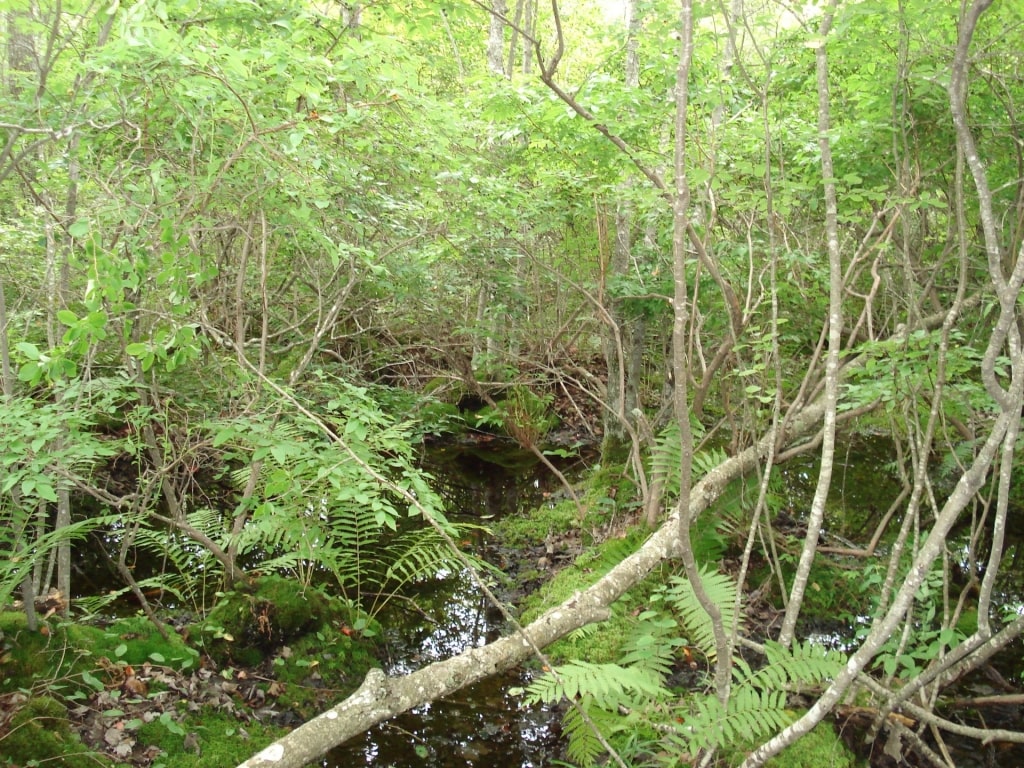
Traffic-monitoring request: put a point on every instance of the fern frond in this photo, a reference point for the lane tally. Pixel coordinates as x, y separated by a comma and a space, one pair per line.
804, 663
14, 568
750, 713
723, 591
653, 644
609, 684
584, 748
705, 461
609, 554
667, 457
176, 587
585, 632
182, 557
418, 555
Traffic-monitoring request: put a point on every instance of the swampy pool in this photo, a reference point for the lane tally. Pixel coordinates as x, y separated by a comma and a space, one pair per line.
482, 725
485, 725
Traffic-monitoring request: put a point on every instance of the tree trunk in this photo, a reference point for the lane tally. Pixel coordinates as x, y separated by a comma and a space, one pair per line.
835, 342
623, 335
496, 38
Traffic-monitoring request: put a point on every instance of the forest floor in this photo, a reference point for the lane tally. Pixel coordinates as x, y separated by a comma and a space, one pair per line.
137, 700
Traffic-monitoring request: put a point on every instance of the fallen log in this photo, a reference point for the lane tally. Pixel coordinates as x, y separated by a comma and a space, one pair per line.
380, 697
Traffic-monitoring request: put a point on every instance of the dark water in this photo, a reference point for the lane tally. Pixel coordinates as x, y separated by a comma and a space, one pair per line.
482, 725
864, 484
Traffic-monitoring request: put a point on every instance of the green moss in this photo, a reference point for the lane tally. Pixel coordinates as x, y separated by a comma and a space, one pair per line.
134, 640
39, 733
207, 737
602, 496
251, 623
321, 668
821, 748
64, 650
968, 623
601, 643
31, 657
24, 654
519, 531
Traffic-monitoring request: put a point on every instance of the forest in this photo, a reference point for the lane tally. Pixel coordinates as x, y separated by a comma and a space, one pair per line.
259, 257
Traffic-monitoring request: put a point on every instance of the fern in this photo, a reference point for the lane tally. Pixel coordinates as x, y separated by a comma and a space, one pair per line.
167, 583
584, 747
757, 702
653, 644
667, 457
750, 713
14, 567
705, 461
804, 663
184, 557
610, 685
756, 706
423, 554
610, 553
585, 632
722, 590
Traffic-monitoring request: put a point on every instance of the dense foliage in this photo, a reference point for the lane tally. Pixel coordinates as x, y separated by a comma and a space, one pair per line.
252, 253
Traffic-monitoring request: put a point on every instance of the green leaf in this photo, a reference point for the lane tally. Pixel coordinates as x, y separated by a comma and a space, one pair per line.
92, 681
79, 229
31, 351
29, 372
223, 436
137, 349
168, 722
45, 490
67, 317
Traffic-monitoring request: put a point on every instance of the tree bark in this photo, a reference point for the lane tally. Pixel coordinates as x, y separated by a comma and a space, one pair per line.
496, 38
835, 341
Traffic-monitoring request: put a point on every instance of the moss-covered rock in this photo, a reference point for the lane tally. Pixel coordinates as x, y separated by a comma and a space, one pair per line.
25, 654
251, 623
65, 650
321, 668
134, 640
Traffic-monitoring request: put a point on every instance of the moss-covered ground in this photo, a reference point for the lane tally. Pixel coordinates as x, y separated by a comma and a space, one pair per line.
821, 748
267, 657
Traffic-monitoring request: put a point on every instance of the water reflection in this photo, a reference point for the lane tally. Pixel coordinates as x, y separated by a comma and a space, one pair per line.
481, 725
